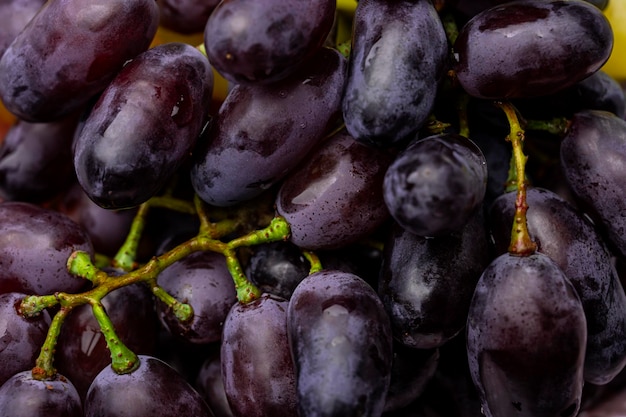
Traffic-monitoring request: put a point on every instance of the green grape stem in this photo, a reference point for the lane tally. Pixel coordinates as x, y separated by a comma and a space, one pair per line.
521, 241
123, 360
314, 261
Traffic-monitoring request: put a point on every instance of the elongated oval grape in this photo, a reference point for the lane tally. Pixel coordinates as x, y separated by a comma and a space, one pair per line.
24, 396
203, 281
531, 48
426, 284
186, 16
36, 160
341, 343
335, 197
593, 158
268, 130
70, 51
398, 55
257, 368
570, 239
154, 388
20, 338
526, 337
144, 125
436, 184
35, 244
262, 41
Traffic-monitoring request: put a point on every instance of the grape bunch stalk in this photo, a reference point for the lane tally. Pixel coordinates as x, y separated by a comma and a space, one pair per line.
356, 208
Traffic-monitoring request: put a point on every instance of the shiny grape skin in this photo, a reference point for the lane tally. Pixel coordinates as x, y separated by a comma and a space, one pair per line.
277, 268
526, 337
186, 16
36, 160
532, 48
570, 239
15, 16
436, 184
81, 351
341, 342
398, 56
257, 367
144, 125
20, 338
24, 396
153, 389
268, 130
335, 197
203, 281
263, 41
70, 51
426, 284
593, 155
35, 244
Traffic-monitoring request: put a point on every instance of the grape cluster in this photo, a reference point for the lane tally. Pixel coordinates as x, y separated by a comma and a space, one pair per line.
368, 208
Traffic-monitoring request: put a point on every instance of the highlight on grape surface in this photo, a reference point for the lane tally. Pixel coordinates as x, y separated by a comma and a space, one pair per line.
355, 208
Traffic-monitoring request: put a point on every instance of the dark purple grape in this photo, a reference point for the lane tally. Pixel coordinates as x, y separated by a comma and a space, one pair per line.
263, 132
15, 15
186, 16
144, 125
81, 348
203, 281
341, 343
398, 56
24, 396
277, 268
70, 51
21, 339
412, 369
335, 197
599, 91
153, 389
531, 48
257, 368
426, 284
35, 244
36, 160
593, 156
436, 184
570, 239
107, 229
210, 384
526, 337
263, 41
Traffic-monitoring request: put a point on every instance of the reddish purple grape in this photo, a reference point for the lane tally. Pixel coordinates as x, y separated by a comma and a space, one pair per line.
36, 160
341, 343
21, 339
24, 396
257, 368
262, 132
399, 54
531, 48
263, 41
144, 126
335, 197
203, 281
526, 338
153, 389
186, 16
70, 51
35, 244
